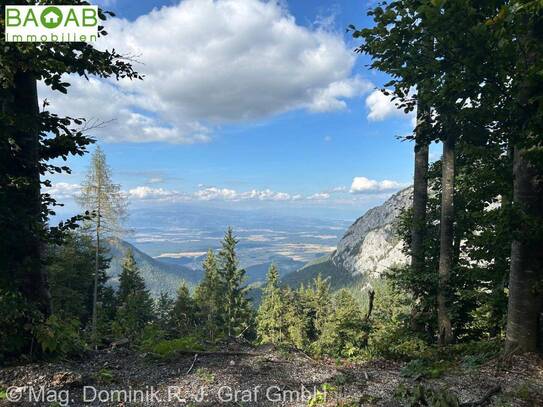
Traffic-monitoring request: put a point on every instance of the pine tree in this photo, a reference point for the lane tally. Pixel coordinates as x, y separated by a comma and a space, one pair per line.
135, 303
271, 326
184, 312
236, 308
209, 296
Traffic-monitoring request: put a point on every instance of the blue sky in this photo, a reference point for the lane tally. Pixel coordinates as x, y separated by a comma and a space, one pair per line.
245, 104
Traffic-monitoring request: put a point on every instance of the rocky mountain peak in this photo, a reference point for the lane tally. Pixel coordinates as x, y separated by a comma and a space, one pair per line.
370, 245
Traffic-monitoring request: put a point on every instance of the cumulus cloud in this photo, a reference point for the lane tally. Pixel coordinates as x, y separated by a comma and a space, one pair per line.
144, 192
212, 193
252, 62
363, 184
266, 195
381, 106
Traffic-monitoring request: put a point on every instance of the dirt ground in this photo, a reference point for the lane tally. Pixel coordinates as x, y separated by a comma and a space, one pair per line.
247, 376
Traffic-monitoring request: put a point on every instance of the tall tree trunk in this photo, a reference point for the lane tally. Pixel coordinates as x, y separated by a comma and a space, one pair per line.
95, 287
525, 310
420, 190
96, 266
24, 200
446, 251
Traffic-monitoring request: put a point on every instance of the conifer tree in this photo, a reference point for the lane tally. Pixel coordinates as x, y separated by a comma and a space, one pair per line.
104, 199
237, 311
271, 326
209, 296
70, 270
297, 318
320, 298
130, 279
32, 144
164, 309
184, 312
135, 303
344, 330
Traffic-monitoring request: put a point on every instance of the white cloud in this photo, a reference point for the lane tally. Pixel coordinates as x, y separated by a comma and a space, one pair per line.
155, 180
266, 195
381, 106
339, 189
320, 196
212, 62
143, 192
363, 184
213, 193
63, 190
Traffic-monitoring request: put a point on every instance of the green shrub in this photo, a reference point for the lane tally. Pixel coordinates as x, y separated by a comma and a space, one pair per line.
16, 320
420, 395
205, 375
151, 335
320, 397
168, 348
105, 376
59, 337
427, 368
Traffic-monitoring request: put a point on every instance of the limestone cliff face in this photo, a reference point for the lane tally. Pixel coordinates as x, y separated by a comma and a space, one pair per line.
370, 245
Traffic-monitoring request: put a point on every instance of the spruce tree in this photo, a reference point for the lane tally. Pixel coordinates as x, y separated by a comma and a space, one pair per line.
184, 312
271, 326
130, 280
236, 308
344, 331
70, 269
135, 303
209, 297
320, 299
297, 319
164, 309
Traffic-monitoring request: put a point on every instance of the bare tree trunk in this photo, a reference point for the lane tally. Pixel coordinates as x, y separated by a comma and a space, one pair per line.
420, 190
446, 240
525, 310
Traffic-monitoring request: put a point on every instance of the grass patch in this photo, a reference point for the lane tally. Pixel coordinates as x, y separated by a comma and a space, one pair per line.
105, 376
205, 375
320, 397
169, 348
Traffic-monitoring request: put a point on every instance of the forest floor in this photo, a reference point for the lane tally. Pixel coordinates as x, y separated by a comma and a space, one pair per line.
248, 376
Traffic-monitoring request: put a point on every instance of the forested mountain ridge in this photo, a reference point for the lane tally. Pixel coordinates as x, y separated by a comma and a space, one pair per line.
159, 276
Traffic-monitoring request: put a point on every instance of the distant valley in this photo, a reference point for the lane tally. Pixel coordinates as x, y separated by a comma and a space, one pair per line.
170, 244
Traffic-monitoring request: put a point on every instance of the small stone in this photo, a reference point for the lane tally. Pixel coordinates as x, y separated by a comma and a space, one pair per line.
66, 379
